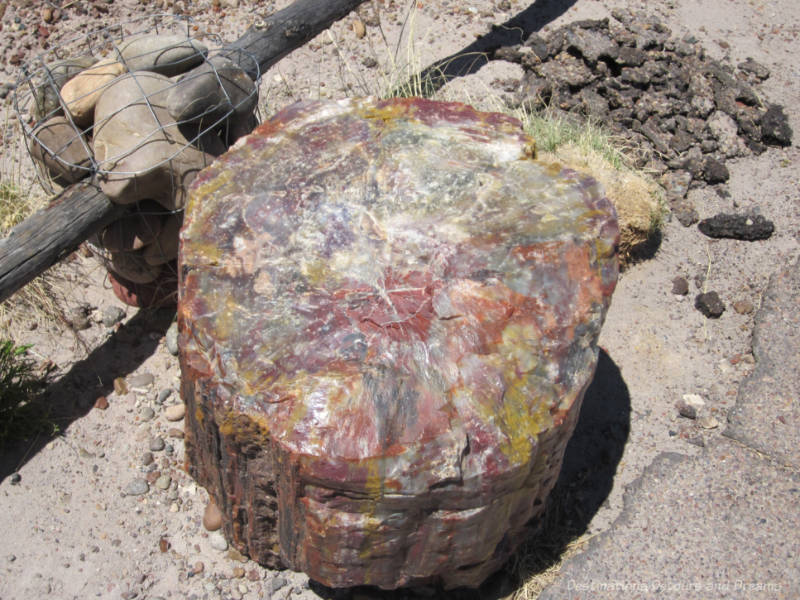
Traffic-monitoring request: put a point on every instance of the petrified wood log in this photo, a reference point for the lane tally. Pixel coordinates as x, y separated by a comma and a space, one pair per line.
388, 317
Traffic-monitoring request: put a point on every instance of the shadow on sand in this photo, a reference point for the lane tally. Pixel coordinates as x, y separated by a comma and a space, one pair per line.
471, 58
74, 394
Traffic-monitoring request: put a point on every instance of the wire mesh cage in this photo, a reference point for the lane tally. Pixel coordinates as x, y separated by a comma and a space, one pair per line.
55, 88
138, 108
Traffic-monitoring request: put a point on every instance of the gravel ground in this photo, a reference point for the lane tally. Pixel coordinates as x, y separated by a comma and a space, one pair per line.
106, 510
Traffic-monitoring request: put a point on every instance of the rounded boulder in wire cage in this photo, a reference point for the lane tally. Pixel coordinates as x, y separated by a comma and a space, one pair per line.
188, 96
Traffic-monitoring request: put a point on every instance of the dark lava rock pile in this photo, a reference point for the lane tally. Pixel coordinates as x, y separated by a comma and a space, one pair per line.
686, 112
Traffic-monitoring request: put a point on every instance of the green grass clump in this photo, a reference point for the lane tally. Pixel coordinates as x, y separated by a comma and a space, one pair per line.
21, 381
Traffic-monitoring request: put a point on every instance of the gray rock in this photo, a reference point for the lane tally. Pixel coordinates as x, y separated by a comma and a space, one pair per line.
133, 267
164, 394
135, 230
218, 541
715, 171
112, 315
137, 487
168, 55
163, 482
591, 44
141, 380
60, 148
775, 127
172, 339
147, 414
276, 583
147, 458
680, 287
157, 162
157, 444
725, 131
213, 89
754, 68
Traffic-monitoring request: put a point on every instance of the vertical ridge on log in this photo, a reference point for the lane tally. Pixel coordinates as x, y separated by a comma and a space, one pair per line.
388, 318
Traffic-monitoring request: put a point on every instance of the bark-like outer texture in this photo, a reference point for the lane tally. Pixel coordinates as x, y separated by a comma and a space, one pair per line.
388, 315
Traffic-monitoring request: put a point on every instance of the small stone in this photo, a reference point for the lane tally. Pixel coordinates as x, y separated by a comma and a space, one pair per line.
714, 171
175, 412
775, 129
147, 414
253, 575
277, 583
164, 54
163, 482
137, 487
120, 386
685, 212
369, 62
696, 440
141, 380
47, 14
680, 287
686, 410
163, 544
214, 88
359, 28
78, 318
234, 554
709, 304
157, 444
212, 517
198, 567
218, 541
238, 572
112, 315
147, 458
15, 478
101, 403
176, 433
754, 68
172, 339
738, 227
61, 149
11, 558
708, 422
743, 307
163, 395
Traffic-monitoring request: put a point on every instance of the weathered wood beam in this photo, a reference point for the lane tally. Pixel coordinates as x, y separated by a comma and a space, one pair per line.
43, 239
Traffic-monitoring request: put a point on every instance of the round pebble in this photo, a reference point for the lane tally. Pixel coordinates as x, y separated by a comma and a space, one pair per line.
172, 339
147, 458
112, 315
175, 412
137, 487
141, 380
218, 541
169, 449
163, 482
157, 444
147, 414
163, 395
212, 517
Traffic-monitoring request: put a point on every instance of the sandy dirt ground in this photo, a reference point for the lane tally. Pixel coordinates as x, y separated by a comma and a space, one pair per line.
71, 526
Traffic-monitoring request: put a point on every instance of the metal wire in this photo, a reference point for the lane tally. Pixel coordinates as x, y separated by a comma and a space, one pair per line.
41, 79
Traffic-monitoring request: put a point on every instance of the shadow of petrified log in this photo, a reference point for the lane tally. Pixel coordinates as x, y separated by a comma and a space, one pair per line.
471, 58
73, 395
